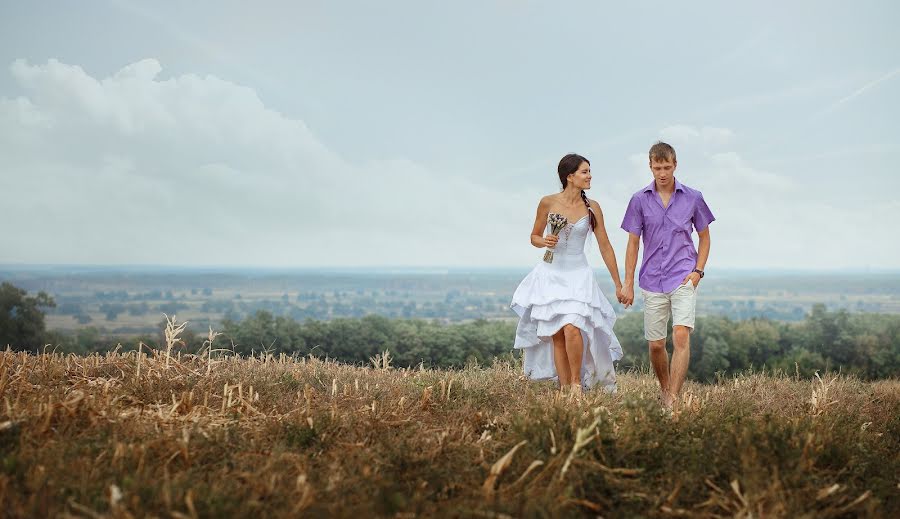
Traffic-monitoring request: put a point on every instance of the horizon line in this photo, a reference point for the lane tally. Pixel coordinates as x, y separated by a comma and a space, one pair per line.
371, 268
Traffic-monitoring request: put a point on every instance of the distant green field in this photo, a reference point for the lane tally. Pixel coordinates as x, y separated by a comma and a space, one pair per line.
139, 298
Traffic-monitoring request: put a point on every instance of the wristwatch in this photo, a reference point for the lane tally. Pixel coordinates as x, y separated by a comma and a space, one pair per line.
698, 271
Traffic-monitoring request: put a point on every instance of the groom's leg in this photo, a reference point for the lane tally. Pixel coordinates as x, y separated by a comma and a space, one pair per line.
659, 359
683, 315
681, 357
656, 322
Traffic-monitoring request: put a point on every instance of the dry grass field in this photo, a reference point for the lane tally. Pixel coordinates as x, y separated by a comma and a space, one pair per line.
148, 434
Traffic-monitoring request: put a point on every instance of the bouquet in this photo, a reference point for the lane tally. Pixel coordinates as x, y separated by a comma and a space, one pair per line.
557, 223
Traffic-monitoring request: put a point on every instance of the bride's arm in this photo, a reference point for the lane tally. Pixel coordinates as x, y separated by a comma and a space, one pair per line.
540, 223
606, 249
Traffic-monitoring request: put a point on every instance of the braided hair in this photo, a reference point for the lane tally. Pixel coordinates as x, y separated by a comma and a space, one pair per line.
590, 212
568, 165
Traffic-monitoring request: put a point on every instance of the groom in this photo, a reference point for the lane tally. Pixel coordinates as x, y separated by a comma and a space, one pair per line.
664, 213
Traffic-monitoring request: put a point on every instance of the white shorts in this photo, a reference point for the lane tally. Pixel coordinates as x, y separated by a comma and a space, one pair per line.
681, 303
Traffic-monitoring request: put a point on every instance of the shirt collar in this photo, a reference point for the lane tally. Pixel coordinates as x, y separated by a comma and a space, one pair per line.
652, 187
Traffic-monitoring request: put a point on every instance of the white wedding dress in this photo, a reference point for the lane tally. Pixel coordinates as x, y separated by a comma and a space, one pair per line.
565, 292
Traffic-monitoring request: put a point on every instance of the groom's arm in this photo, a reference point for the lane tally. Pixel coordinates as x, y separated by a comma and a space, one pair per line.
702, 255
633, 224
703, 248
701, 218
631, 254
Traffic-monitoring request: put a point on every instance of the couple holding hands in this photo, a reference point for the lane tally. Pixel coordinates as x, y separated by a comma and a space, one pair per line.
566, 323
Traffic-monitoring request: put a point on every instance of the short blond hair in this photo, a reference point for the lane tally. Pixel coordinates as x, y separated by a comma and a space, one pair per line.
661, 151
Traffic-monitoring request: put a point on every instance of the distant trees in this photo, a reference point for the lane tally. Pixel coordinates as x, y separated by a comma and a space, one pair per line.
356, 340
21, 318
112, 310
867, 345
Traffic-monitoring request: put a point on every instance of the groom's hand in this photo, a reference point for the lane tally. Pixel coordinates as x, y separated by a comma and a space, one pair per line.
693, 277
626, 295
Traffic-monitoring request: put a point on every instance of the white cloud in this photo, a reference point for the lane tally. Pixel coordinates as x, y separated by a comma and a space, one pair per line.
767, 218
736, 171
710, 137
142, 168
135, 168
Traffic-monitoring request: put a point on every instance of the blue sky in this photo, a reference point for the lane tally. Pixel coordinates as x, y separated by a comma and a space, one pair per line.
424, 133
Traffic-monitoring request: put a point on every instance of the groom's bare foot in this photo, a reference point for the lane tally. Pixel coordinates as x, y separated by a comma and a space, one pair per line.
667, 400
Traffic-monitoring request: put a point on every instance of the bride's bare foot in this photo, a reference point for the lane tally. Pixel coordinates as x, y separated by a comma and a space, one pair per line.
562, 391
576, 391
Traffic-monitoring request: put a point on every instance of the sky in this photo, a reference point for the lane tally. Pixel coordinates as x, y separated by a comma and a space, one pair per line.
419, 133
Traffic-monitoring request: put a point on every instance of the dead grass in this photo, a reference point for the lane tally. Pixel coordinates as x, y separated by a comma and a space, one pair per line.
155, 434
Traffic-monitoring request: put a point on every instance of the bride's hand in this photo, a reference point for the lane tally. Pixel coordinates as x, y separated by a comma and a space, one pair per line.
626, 295
550, 241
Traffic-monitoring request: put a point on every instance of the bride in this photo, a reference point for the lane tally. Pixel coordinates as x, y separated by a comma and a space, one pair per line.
565, 321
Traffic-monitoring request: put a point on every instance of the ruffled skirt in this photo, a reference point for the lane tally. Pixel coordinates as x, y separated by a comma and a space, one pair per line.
565, 292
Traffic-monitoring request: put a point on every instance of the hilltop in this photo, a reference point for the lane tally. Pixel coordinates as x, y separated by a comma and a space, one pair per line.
135, 434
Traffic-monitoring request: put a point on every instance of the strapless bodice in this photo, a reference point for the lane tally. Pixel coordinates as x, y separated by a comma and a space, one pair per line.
572, 237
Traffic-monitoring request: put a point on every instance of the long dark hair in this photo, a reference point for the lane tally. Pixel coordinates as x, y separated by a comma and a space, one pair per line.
568, 165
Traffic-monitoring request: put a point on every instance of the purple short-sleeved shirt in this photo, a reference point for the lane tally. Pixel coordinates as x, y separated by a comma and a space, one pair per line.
669, 253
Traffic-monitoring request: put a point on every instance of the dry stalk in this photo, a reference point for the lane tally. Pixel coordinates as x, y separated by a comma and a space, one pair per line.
139, 355
534, 464
818, 401
582, 438
382, 360
172, 332
208, 343
498, 468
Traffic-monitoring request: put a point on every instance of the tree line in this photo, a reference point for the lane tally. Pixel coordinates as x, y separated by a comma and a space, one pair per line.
864, 344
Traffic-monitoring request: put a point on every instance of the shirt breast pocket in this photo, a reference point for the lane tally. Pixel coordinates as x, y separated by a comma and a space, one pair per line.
683, 220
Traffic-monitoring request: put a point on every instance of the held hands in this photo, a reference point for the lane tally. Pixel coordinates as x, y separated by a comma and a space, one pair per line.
625, 295
550, 240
